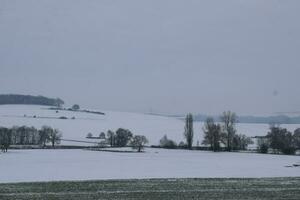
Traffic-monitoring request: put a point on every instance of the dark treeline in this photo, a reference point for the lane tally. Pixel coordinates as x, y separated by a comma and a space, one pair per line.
224, 133
24, 135
28, 99
280, 140
280, 119
221, 136
122, 138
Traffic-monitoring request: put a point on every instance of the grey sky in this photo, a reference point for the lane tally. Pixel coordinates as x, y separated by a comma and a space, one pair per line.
173, 56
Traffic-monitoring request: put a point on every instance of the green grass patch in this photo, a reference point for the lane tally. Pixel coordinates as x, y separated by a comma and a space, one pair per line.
265, 188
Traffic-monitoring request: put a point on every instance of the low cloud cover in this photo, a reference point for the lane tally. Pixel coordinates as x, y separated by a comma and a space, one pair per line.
168, 56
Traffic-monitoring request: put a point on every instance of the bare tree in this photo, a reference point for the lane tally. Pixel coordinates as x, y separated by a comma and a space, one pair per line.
189, 130
5, 138
44, 135
229, 120
241, 142
111, 137
55, 137
281, 140
138, 142
212, 134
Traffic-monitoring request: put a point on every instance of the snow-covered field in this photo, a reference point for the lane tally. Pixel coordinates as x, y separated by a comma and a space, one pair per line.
153, 127
47, 165
50, 165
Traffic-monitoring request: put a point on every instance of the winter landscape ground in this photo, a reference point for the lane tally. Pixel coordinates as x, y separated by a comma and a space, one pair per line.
143, 99
154, 173
152, 126
58, 165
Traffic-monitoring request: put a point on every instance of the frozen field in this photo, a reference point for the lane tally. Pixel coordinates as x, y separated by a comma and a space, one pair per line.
153, 127
51, 165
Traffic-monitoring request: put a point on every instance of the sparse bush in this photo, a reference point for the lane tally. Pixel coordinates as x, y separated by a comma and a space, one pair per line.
102, 135
241, 142
75, 107
182, 145
263, 148
89, 135
102, 144
167, 143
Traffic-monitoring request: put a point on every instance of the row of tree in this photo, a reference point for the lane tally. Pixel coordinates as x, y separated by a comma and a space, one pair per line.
224, 134
29, 99
280, 140
216, 134
24, 135
124, 137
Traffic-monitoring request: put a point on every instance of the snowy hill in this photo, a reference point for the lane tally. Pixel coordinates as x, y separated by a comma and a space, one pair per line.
152, 126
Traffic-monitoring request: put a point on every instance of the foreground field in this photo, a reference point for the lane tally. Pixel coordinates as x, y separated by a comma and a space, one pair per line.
64, 165
271, 188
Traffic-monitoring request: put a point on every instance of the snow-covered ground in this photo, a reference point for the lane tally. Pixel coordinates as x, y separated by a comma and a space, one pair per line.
152, 126
53, 165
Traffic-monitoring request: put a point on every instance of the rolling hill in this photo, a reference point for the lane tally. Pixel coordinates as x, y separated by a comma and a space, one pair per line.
152, 126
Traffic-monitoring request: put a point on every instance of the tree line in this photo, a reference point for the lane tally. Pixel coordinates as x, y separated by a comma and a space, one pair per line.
122, 138
25, 135
280, 140
29, 99
224, 133
216, 135
224, 136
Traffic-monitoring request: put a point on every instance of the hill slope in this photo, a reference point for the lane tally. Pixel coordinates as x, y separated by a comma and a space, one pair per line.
152, 126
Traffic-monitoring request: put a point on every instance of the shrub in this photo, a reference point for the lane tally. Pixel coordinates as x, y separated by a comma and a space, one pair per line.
75, 107
263, 148
167, 143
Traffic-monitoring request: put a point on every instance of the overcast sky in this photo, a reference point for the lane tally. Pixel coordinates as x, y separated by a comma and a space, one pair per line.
171, 56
